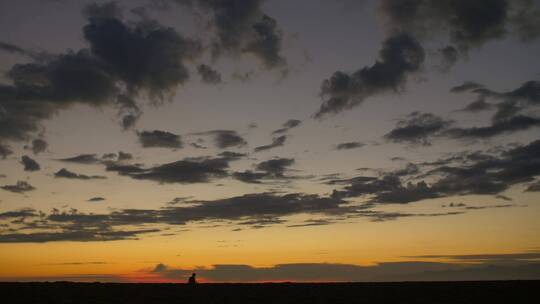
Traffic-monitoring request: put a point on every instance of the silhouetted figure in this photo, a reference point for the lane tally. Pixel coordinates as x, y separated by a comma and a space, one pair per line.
192, 280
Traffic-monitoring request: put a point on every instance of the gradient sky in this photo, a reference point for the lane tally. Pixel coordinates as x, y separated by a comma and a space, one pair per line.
252, 140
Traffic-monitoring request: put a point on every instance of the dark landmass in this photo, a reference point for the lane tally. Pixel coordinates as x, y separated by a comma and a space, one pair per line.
279, 293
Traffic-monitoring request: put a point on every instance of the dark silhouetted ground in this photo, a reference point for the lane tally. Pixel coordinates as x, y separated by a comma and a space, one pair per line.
332, 293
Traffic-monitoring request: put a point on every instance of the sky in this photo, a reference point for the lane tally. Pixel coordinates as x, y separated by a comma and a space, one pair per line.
265, 141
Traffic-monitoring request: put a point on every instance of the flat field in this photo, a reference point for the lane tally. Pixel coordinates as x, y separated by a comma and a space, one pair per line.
277, 293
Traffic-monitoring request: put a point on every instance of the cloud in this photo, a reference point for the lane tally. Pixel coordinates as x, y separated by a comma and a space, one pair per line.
412, 24
267, 44
64, 173
19, 187
507, 126
96, 199
400, 56
208, 75
123, 169
417, 128
86, 159
256, 210
382, 272
491, 257
162, 139
535, 187
146, 58
107, 10
473, 173
5, 151
449, 57
21, 213
242, 28
467, 24
77, 236
122, 63
289, 124
349, 145
509, 106
11, 48
122, 156
39, 145
276, 142
225, 138
189, 170
420, 128
29, 164
273, 169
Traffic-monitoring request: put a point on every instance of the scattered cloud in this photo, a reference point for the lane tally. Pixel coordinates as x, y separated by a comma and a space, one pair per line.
276, 142
30, 164
225, 138
161, 139
350, 145
289, 124
65, 173
209, 75
19, 187
96, 199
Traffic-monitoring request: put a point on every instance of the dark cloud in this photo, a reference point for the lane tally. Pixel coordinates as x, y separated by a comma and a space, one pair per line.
189, 170
146, 58
76, 236
209, 75
267, 43
161, 139
11, 48
5, 151
86, 159
273, 169
250, 209
467, 24
412, 23
532, 255
289, 124
535, 187
526, 20
65, 173
232, 155
29, 164
122, 156
107, 10
122, 63
14, 49
22, 213
509, 105
449, 57
506, 126
417, 128
349, 145
382, 272
225, 138
467, 86
241, 27
475, 173
477, 106
400, 56
249, 176
19, 187
96, 199
276, 142
276, 166
124, 169
39, 145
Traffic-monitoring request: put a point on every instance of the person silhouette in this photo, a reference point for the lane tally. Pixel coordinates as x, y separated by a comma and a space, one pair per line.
192, 279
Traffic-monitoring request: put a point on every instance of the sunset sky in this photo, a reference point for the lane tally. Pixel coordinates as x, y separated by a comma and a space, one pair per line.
252, 140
